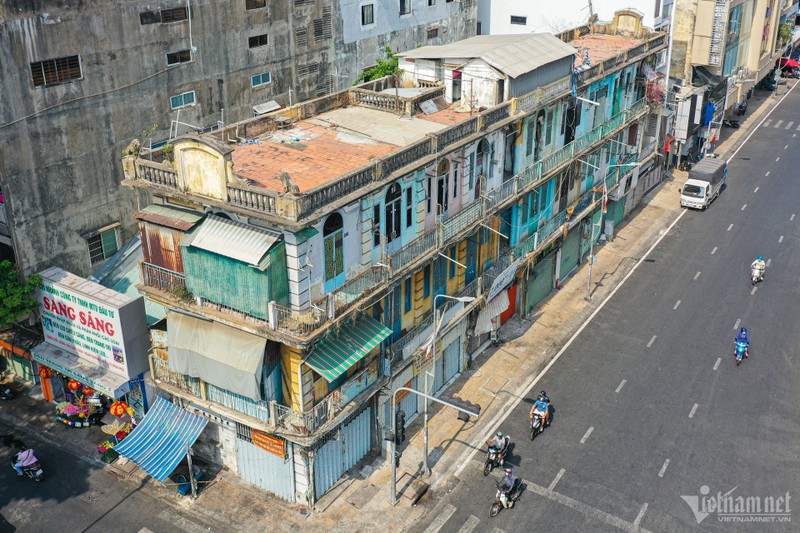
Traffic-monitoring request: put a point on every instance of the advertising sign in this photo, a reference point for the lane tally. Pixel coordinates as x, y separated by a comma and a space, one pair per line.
504, 278
91, 321
269, 443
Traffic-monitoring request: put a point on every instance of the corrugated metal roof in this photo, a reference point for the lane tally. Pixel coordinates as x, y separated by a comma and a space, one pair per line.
512, 54
169, 216
236, 240
160, 441
334, 355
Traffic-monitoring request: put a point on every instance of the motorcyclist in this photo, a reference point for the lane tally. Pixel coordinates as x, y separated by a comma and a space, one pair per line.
760, 265
743, 336
541, 406
505, 486
498, 444
24, 457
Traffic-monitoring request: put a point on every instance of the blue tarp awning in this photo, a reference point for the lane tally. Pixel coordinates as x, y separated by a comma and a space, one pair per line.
160, 441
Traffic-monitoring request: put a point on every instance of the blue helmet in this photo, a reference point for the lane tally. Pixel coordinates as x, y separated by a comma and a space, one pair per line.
743, 331
760, 257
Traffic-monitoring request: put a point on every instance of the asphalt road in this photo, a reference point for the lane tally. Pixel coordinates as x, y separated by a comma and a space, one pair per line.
79, 496
652, 414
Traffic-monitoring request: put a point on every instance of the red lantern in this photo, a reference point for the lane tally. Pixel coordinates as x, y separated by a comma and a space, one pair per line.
87, 390
74, 385
118, 409
45, 372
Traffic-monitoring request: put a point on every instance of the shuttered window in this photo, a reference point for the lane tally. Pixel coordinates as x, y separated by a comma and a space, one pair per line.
56, 71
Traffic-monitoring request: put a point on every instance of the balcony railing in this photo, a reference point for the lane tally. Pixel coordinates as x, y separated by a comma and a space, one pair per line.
237, 402
461, 221
157, 173
161, 278
307, 423
411, 252
162, 372
362, 285
299, 322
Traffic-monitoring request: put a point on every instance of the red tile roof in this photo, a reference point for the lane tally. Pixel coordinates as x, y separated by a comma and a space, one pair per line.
602, 46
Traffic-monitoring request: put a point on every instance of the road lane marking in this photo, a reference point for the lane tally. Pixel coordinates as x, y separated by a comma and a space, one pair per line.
789, 125
556, 479
753, 291
441, 518
730, 227
754, 190
586, 435
621, 384
738, 321
785, 147
767, 123
791, 217
780, 240
769, 261
778, 124
649, 344
697, 275
588, 510
714, 250
694, 409
497, 530
471, 523
767, 174
522, 392
794, 134
676, 305
777, 159
640, 516
716, 365
663, 468
744, 207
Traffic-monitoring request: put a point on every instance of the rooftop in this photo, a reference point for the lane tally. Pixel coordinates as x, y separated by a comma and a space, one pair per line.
603, 46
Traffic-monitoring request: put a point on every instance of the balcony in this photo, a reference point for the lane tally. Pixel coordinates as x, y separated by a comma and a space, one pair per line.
161, 278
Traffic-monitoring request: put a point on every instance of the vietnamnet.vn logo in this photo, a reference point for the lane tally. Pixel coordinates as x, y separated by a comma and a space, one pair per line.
729, 507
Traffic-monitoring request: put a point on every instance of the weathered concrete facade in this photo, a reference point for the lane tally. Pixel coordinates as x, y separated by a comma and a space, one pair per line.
62, 137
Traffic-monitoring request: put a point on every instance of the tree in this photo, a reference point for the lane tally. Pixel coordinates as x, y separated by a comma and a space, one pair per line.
383, 67
15, 295
785, 33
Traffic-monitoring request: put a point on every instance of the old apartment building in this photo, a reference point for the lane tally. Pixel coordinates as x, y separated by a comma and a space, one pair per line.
82, 79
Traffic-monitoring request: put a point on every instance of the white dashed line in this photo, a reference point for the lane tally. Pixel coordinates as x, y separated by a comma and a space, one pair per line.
767, 122
798, 127
785, 147
777, 159
789, 125
767, 174
769, 261
755, 190
730, 227
640, 516
676, 305
744, 207
586, 435
716, 365
794, 135
471, 523
694, 409
441, 518
714, 251
619, 388
791, 217
663, 468
780, 240
697, 275
649, 344
738, 321
753, 291
778, 124
556, 479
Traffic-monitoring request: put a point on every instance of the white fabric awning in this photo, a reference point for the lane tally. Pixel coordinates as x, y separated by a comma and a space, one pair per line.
86, 372
226, 357
493, 309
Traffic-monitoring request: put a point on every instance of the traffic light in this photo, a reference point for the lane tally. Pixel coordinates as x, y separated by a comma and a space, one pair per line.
400, 426
466, 405
397, 456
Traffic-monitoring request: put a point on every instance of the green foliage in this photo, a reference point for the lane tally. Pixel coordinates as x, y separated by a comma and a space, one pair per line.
182, 293
383, 67
15, 296
785, 33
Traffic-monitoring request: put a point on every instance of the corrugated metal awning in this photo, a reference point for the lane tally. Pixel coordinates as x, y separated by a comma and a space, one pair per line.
88, 373
335, 355
236, 240
494, 308
171, 217
266, 107
162, 439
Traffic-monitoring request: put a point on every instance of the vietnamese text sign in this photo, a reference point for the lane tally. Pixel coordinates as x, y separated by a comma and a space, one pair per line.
269, 443
82, 325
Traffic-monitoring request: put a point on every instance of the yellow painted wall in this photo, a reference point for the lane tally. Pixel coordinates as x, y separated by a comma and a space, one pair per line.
299, 396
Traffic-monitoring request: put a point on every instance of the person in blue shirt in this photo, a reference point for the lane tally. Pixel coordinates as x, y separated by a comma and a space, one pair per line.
742, 336
542, 407
505, 486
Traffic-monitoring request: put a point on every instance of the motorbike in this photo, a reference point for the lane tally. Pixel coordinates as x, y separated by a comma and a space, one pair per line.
513, 496
729, 123
740, 352
536, 425
33, 471
6, 393
756, 274
493, 458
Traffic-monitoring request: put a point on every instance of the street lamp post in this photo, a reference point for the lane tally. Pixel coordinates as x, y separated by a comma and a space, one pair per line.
591, 236
464, 299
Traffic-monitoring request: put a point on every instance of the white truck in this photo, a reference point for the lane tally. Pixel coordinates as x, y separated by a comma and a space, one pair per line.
706, 179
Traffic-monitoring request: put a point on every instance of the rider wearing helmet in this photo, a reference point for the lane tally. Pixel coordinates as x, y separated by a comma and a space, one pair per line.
743, 336
760, 265
498, 443
505, 486
542, 407
24, 457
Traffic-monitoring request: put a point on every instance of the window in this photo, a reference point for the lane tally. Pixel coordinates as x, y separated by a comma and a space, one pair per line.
102, 245
175, 14
333, 239
176, 58
433, 33
149, 17
431, 3
522, 21
443, 176
257, 41
409, 207
394, 205
451, 253
254, 4
428, 202
408, 289
182, 100
405, 7
426, 281
529, 137
471, 170
548, 134
455, 179
367, 14
261, 79
376, 225
56, 71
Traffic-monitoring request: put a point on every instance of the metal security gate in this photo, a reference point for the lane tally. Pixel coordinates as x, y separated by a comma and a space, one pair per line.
452, 359
347, 445
541, 283
409, 403
570, 253
266, 470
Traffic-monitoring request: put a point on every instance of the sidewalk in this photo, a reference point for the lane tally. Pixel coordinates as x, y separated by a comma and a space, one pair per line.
361, 500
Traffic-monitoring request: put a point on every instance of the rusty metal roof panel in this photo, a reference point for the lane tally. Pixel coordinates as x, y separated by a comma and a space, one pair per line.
170, 217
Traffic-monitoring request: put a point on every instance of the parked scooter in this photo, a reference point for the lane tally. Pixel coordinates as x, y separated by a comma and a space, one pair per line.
730, 123
493, 458
6, 393
513, 496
